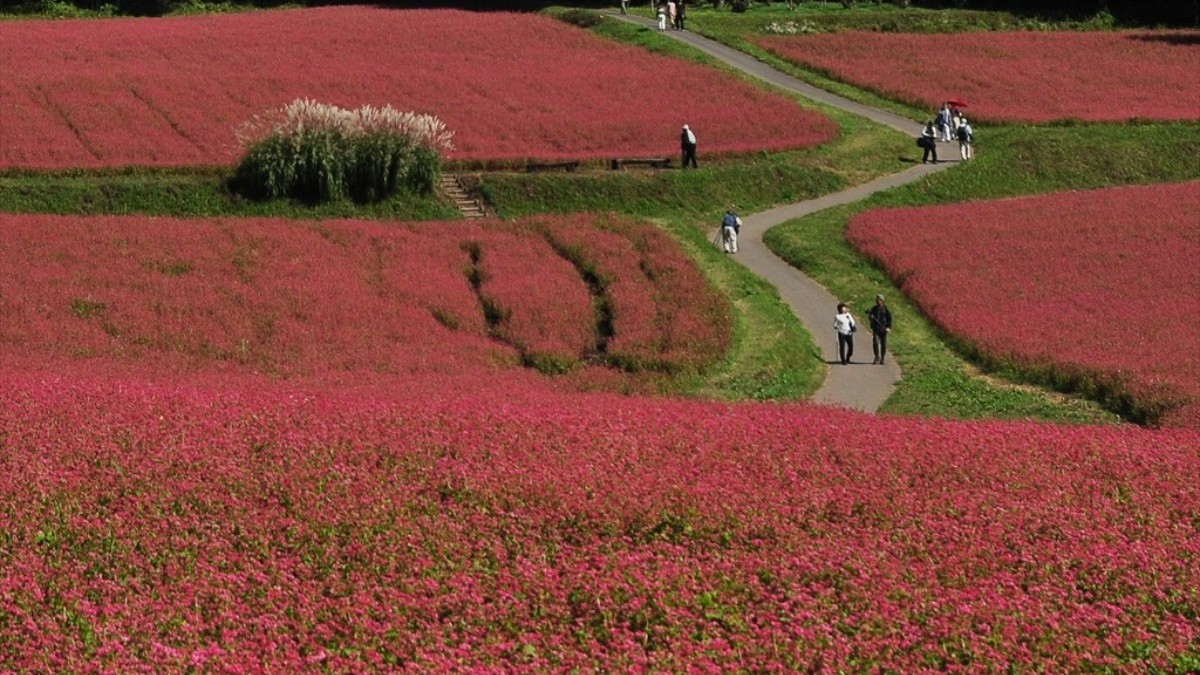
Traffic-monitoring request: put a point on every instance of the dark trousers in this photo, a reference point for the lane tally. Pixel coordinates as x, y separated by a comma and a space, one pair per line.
879, 344
930, 149
845, 347
689, 156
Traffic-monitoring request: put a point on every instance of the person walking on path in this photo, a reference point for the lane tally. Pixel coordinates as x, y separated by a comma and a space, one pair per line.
845, 326
680, 14
624, 6
966, 136
687, 144
662, 17
881, 325
730, 226
671, 9
928, 141
943, 123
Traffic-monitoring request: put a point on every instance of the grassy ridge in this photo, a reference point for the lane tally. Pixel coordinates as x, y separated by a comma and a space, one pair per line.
184, 193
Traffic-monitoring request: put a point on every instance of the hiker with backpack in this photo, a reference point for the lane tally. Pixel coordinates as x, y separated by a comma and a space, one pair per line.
966, 136
731, 225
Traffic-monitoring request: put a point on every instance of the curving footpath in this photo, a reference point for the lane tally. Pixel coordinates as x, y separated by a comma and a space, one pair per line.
860, 386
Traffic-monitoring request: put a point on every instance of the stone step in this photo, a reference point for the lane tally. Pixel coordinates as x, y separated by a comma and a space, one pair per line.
470, 208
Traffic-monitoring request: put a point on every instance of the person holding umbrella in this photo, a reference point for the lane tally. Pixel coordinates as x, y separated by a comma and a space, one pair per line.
955, 112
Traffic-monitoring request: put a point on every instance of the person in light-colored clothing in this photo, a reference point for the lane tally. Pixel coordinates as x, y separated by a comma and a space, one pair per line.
943, 123
844, 324
730, 226
662, 18
966, 136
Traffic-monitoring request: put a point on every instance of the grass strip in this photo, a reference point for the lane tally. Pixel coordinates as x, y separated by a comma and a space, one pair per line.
185, 193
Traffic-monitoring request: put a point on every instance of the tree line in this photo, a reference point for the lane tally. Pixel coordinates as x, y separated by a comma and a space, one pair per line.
1177, 13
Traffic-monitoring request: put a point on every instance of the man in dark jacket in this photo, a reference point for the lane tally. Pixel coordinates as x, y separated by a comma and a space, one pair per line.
881, 325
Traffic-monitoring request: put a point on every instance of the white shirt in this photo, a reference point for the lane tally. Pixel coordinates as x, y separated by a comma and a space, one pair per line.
843, 323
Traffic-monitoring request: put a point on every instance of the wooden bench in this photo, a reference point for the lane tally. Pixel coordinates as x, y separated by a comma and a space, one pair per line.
652, 162
551, 166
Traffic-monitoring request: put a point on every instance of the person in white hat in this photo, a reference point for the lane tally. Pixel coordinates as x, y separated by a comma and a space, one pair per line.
965, 137
731, 224
687, 143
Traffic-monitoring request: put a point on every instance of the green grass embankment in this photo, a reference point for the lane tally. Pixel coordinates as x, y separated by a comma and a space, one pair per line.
183, 193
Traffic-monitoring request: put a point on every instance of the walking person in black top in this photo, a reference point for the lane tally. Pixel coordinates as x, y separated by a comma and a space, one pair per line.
929, 143
881, 325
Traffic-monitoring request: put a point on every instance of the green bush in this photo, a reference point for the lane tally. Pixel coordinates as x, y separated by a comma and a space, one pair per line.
317, 153
581, 17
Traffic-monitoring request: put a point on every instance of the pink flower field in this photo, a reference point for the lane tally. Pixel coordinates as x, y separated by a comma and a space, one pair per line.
263, 445
171, 91
1102, 76
1098, 288
349, 300
273, 528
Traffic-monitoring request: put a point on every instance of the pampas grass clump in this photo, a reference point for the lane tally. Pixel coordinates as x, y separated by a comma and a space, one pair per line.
318, 152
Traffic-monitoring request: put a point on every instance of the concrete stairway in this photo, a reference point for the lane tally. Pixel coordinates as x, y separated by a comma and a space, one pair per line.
470, 208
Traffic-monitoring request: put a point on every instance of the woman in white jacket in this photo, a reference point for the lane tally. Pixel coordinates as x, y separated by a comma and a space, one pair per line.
845, 325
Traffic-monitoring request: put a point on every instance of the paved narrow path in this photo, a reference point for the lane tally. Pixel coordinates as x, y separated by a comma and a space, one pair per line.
860, 386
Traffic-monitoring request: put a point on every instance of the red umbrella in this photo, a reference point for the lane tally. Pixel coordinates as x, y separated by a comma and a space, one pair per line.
957, 103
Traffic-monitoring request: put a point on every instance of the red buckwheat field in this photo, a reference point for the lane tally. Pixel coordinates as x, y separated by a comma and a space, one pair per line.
353, 299
1096, 286
510, 86
260, 444
1020, 76
288, 445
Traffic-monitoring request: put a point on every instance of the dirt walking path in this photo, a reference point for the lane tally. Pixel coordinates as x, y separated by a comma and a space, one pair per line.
860, 385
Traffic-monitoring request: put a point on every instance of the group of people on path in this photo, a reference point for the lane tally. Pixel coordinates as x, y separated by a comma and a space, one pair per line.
843, 322
845, 325
947, 126
671, 12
